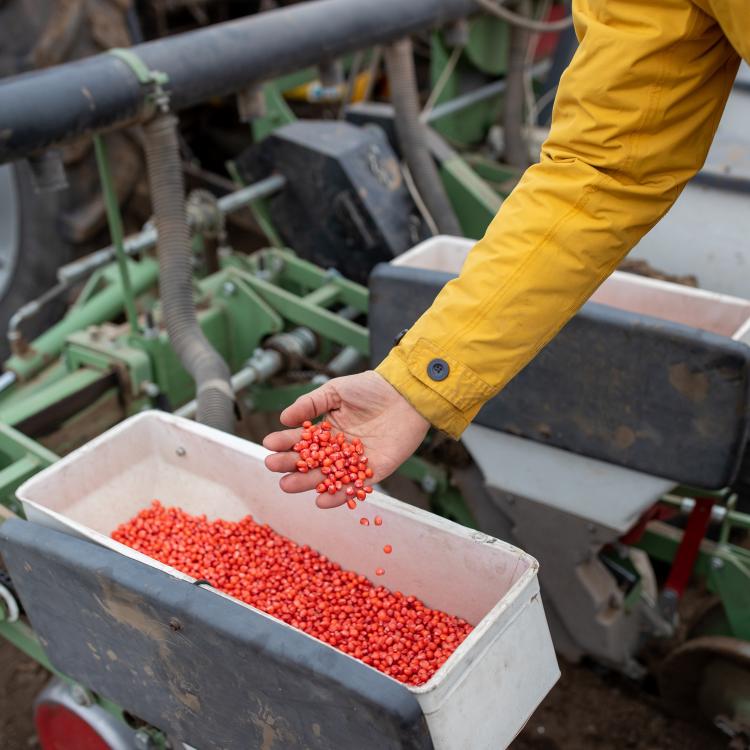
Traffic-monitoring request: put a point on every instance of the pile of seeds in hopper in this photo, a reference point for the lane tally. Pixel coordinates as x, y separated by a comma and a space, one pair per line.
394, 633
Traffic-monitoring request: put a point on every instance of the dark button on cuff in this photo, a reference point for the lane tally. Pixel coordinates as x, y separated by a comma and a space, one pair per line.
438, 369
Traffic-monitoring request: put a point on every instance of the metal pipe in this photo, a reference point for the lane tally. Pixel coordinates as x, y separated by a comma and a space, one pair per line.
55, 105
481, 94
146, 239
265, 362
412, 136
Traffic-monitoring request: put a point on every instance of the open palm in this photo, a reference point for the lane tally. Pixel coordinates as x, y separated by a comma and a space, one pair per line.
365, 406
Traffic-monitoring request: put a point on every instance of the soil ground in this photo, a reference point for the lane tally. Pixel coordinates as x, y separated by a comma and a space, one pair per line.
587, 710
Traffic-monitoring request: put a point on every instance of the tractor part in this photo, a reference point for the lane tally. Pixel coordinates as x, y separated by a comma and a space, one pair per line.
66, 716
687, 553
49, 229
280, 351
710, 676
412, 136
344, 205
569, 510
147, 238
31, 247
515, 147
48, 107
122, 619
216, 406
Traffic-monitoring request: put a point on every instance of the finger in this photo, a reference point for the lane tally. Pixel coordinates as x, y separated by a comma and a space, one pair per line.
282, 462
309, 406
327, 501
298, 482
283, 440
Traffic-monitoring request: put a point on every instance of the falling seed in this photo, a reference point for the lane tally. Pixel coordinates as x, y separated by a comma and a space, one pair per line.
387, 549
379, 572
364, 522
378, 521
352, 504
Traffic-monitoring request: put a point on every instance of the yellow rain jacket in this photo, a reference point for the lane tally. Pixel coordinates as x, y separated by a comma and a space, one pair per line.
633, 120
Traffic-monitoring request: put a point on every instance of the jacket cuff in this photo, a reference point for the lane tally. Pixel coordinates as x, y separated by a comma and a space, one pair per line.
449, 403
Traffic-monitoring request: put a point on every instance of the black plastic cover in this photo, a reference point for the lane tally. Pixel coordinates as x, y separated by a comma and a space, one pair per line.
195, 664
641, 392
345, 205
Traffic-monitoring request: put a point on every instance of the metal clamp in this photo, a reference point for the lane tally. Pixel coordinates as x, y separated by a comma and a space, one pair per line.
155, 80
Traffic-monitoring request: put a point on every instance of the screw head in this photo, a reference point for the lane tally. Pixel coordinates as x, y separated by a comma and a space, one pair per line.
429, 483
144, 741
80, 695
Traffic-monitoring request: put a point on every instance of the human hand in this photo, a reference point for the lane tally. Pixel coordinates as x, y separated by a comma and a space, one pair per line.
365, 406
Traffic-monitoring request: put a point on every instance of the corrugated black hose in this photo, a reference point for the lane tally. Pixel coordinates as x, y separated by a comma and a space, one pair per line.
412, 136
207, 367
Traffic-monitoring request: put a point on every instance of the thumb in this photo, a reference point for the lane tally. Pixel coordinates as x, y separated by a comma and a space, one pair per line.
311, 405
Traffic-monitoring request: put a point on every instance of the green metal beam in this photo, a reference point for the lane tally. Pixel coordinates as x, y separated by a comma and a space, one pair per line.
18, 409
475, 202
114, 220
101, 306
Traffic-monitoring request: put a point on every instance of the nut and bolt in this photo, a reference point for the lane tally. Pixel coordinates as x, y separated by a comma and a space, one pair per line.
150, 389
80, 695
429, 483
144, 740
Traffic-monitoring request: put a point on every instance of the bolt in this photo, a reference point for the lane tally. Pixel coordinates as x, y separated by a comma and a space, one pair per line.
80, 695
150, 389
175, 624
717, 563
180, 451
429, 483
229, 288
144, 741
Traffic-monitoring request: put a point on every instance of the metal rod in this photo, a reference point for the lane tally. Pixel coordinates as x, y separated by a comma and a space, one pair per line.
51, 106
478, 95
146, 239
265, 362
114, 219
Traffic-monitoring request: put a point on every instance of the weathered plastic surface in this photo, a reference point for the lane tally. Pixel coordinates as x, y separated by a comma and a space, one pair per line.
219, 676
483, 694
345, 205
648, 375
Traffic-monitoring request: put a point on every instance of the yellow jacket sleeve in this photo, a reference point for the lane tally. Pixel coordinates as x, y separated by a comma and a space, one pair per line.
634, 117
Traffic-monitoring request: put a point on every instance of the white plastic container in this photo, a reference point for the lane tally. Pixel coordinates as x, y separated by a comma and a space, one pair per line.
480, 698
698, 308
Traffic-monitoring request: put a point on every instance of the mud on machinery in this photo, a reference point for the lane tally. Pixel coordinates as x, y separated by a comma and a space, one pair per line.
614, 458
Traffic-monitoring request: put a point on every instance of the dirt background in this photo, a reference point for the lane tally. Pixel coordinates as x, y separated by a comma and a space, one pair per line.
587, 710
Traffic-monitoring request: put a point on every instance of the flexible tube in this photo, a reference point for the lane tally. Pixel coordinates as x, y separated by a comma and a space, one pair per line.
410, 130
200, 359
530, 24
